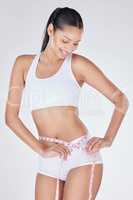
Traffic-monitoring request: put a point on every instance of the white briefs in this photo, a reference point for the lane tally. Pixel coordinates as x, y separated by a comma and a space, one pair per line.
58, 167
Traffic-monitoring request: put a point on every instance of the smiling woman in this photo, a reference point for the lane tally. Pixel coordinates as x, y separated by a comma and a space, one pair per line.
52, 79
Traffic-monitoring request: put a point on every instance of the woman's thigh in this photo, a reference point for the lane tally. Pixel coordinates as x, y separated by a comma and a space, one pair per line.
83, 182
46, 187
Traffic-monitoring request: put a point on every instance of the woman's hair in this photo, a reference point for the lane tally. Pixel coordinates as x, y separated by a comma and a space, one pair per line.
59, 18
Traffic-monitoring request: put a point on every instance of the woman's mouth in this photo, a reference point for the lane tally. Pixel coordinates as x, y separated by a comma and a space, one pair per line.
64, 53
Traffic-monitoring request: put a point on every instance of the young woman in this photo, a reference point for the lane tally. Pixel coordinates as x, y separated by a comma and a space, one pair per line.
52, 79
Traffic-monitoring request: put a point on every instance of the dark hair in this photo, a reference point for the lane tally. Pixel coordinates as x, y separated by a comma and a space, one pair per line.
61, 17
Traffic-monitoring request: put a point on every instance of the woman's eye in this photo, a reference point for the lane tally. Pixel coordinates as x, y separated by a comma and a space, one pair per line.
76, 44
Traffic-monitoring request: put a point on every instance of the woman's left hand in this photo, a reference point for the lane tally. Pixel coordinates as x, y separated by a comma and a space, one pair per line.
96, 143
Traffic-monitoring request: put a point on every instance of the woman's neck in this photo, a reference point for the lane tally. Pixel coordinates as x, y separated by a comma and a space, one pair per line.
49, 56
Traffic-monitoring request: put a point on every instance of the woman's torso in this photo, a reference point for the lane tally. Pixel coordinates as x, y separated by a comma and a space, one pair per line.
61, 122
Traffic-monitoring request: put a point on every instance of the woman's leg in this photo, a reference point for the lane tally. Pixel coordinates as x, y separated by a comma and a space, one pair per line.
83, 182
48, 185
45, 187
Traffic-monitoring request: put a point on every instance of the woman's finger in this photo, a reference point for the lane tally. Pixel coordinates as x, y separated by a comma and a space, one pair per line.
62, 149
65, 148
97, 145
58, 150
91, 143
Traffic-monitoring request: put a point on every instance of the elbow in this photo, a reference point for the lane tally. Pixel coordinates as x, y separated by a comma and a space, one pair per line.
127, 102
122, 103
10, 119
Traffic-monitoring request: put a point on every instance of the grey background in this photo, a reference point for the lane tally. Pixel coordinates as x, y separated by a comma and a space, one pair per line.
107, 41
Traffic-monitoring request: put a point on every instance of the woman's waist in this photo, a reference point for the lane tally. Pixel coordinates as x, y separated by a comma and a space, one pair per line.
66, 129
57, 119
62, 129
78, 142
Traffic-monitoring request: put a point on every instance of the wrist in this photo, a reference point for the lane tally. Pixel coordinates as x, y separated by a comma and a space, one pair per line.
40, 149
108, 141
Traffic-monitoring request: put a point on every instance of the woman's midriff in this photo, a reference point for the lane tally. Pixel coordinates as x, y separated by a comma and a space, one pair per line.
60, 123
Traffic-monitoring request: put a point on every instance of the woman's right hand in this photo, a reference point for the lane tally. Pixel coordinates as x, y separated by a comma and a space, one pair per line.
55, 150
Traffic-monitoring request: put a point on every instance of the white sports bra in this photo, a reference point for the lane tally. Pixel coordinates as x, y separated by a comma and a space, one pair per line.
60, 89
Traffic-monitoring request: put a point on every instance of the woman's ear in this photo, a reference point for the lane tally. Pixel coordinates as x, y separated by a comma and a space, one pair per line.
50, 29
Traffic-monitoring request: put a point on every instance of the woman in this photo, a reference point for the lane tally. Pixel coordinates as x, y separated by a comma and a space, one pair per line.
52, 79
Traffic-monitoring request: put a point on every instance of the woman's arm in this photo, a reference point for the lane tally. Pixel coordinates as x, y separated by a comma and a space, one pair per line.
12, 119
93, 76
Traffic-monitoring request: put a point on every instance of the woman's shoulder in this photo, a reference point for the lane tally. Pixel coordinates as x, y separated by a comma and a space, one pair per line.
80, 59
82, 63
79, 62
24, 61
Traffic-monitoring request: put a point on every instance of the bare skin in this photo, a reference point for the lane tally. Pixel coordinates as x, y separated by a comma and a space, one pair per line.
67, 124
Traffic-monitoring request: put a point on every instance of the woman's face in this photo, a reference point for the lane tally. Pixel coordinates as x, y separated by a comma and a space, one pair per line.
64, 42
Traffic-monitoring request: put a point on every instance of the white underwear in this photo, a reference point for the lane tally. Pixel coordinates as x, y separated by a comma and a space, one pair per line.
58, 168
